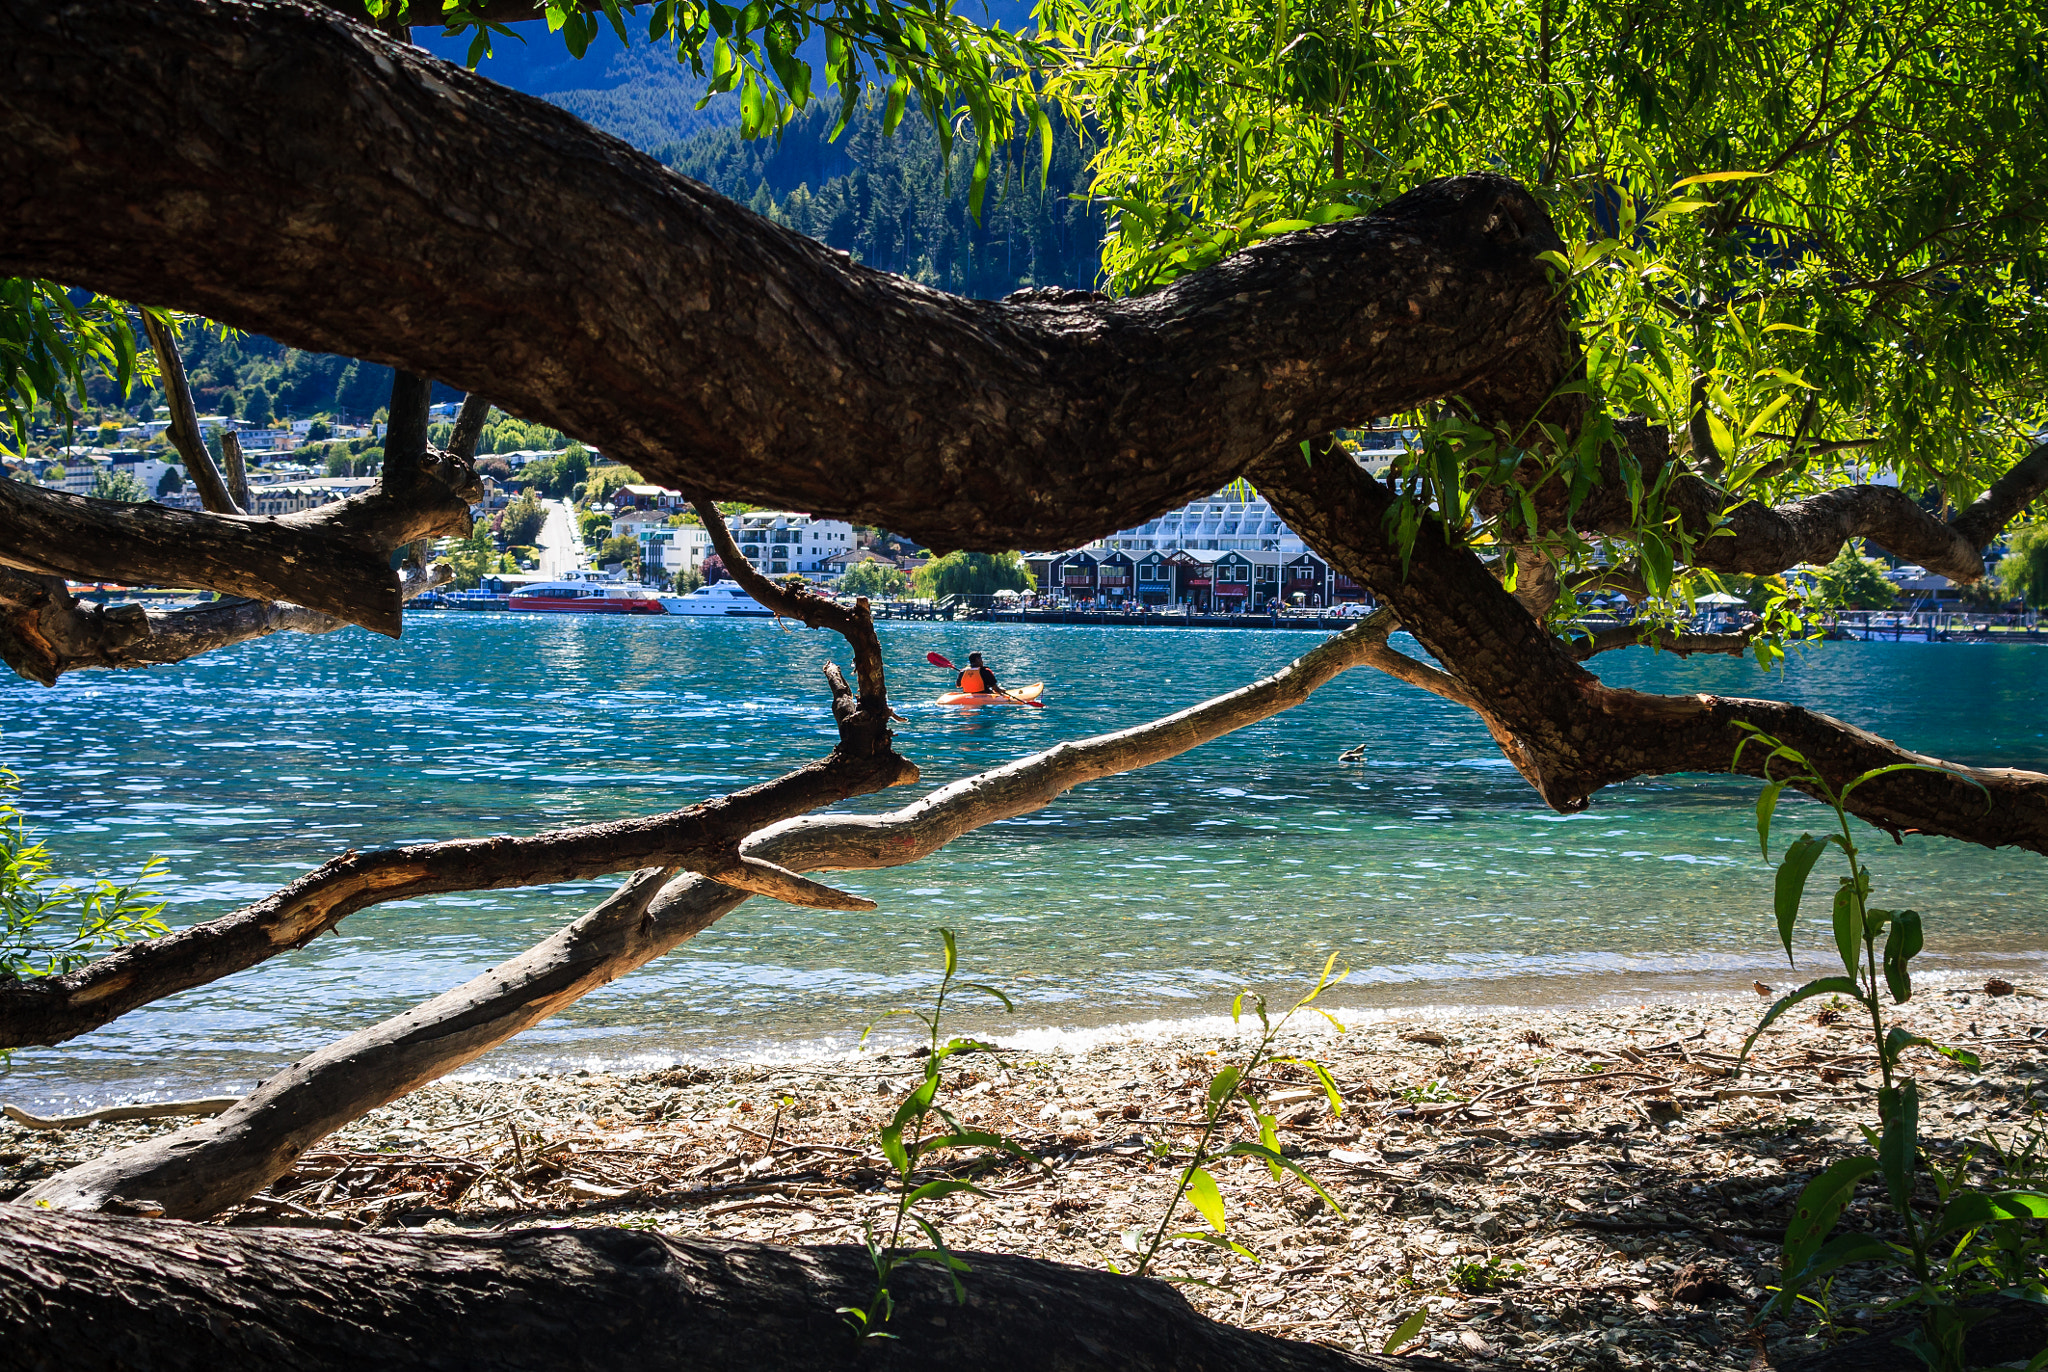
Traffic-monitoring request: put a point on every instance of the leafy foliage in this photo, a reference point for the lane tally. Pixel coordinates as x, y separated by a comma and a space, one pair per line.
973, 574
2023, 571
121, 486
49, 926
920, 1128
50, 343
1971, 1246
1809, 243
1854, 582
964, 76
874, 580
522, 519
1232, 1086
898, 204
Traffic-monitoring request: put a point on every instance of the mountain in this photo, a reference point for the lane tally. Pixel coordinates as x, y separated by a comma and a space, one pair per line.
895, 203
639, 93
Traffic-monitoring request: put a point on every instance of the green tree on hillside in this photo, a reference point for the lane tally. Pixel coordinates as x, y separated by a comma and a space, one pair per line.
170, 483
108, 485
521, 521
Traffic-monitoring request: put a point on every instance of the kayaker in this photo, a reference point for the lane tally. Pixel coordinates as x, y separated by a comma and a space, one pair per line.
978, 679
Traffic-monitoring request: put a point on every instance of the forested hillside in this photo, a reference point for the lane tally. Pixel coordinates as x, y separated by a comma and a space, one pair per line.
888, 201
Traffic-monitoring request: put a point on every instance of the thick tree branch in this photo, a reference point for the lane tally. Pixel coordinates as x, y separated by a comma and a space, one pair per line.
1749, 537
335, 559
45, 631
99, 1294
1568, 733
599, 293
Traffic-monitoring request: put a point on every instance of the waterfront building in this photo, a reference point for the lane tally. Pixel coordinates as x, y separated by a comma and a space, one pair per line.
781, 541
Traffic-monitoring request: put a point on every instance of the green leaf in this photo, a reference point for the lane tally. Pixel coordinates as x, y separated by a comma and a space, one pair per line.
1824, 986
1766, 805
1273, 1157
1656, 561
1837, 1252
1223, 1085
945, 1186
1405, 1332
2031, 1205
1819, 1206
1849, 926
1705, 177
1899, 1040
1900, 948
1203, 1195
1899, 1146
1792, 874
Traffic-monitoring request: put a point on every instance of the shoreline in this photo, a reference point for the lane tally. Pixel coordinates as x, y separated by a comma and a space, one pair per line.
1594, 1166
625, 1050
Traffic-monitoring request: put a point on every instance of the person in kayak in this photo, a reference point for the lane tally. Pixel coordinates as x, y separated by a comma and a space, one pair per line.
978, 679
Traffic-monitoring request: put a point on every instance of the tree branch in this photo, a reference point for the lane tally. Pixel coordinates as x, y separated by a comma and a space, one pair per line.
335, 559
45, 631
737, 357
210, 1165
184, 431
1585, 645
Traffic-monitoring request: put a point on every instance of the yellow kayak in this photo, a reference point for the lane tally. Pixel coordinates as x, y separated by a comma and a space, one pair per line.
1023, 695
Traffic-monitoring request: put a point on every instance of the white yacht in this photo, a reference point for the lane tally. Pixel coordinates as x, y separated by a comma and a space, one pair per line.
719, 600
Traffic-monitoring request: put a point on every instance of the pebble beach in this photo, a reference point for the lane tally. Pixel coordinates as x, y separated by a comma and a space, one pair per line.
1555, 1188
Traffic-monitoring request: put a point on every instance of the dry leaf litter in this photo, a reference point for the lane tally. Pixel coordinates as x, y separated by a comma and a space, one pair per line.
1561, 1188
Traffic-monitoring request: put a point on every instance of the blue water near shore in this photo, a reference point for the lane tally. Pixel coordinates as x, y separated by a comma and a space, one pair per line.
1432, 869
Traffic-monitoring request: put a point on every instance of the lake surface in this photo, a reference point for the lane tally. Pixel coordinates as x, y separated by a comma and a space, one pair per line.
1431, 869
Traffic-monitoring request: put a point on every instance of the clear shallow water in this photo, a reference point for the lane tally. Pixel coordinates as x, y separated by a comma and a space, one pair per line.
1432, 869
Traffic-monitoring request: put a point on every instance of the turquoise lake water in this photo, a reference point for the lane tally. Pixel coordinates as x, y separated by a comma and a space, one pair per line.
1432, 869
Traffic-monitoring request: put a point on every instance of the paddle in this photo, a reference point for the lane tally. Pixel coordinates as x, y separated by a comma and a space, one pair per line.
938, 661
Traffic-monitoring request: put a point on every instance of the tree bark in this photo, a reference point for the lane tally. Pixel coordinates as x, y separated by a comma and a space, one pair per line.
155, 153
97, 1294
45, 631
334, 559
1567, 732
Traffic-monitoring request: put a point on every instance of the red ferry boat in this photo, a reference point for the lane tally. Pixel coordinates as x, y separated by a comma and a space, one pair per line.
578, 595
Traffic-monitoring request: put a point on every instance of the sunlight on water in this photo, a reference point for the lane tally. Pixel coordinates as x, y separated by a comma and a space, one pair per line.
1431, 868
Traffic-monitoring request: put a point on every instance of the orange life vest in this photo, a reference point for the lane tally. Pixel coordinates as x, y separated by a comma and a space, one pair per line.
971, 681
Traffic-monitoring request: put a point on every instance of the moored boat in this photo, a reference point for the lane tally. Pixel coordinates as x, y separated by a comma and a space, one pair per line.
719, 600
582, 594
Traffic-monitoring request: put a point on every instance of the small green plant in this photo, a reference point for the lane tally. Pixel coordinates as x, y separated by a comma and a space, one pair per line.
1485, 1278
921, 1127
49, 927
1231, 1085
1431, 1092
1971, 1247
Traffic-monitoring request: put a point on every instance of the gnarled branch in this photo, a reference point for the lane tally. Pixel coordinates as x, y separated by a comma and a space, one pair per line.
45, 631
736, 356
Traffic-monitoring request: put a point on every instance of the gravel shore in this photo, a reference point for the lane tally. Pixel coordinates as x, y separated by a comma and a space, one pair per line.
1558, 1188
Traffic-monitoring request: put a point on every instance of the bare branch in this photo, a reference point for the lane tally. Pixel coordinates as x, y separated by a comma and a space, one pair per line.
237, 467
469, 425
1586, 645
184, 431
45, 631
335, 559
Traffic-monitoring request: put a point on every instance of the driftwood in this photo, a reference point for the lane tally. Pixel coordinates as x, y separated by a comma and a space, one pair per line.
94, 1294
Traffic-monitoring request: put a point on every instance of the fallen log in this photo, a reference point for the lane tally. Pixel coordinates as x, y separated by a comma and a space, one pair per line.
92, 1293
